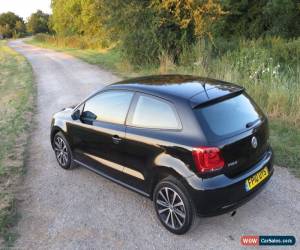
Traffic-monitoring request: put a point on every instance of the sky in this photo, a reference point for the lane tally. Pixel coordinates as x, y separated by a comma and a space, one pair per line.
24, 8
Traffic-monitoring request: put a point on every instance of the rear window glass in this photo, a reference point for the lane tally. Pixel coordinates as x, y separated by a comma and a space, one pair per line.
228, 117
154, 113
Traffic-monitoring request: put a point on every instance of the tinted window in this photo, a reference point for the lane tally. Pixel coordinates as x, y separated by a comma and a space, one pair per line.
154, 113
229, 116
110, 106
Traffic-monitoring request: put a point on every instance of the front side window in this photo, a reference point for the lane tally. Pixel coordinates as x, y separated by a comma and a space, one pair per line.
109, 106
154, 113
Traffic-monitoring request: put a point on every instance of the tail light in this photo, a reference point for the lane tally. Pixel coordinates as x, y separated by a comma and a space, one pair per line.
207, 159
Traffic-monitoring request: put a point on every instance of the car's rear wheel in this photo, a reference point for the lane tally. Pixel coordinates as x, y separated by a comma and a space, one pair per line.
173, 206
62, 151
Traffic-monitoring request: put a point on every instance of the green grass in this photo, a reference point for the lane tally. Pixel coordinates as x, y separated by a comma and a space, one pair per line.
276, 91
16, 108
108, 59
285, 141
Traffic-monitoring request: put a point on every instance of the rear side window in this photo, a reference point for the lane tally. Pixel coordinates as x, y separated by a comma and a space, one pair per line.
152, 112
109, 106
228, 117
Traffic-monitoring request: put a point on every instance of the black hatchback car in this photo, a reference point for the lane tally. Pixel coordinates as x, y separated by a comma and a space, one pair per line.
195, 146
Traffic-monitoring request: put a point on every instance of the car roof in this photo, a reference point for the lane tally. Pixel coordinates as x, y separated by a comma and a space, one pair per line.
194, 88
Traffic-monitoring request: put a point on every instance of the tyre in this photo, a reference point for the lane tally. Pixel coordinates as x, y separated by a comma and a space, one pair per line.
62, 151
173, 206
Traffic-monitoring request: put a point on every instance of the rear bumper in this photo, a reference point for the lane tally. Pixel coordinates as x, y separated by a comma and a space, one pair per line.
221, 194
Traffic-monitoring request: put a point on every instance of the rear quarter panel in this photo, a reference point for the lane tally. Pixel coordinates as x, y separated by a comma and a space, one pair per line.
156, 151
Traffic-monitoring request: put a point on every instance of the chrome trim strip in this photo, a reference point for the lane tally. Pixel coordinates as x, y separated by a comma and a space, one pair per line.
133, 173
116, 166
105, 162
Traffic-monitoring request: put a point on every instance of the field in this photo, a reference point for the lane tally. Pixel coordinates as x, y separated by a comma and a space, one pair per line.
268, 68
16, 108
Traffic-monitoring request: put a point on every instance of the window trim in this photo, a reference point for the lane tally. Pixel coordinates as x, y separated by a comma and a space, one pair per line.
133, 108
101, 92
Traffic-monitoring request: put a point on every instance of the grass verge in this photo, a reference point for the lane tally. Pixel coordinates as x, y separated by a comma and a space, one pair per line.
285, 140
284, 133
108, 59
16, 109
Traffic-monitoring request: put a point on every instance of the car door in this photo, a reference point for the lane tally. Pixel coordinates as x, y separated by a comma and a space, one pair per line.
98, 137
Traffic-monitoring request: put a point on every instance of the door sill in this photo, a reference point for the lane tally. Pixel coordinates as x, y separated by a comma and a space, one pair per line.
99, 172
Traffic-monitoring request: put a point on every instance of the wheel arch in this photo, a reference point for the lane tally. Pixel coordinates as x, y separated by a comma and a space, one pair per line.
164, 172
55, 129
168, 165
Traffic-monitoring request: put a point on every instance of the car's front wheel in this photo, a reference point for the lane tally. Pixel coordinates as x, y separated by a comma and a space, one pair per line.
173, 206
62, 151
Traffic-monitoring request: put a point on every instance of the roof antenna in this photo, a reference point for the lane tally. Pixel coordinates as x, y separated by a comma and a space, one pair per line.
205, 90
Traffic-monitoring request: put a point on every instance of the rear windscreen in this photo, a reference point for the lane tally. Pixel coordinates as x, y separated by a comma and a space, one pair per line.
225, 118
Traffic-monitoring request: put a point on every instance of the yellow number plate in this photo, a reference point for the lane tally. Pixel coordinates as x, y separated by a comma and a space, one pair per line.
254, 180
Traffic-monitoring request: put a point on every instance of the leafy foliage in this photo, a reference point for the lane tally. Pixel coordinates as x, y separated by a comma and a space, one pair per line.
77, 17
255, 18
145, 30
149, 28
38, 23
11, 25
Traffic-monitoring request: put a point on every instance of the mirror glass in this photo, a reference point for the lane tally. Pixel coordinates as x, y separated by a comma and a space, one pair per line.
76, 114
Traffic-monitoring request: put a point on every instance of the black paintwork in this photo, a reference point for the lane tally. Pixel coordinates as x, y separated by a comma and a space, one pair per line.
158, 153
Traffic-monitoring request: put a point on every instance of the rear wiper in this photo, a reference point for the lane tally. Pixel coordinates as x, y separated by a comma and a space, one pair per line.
250, 124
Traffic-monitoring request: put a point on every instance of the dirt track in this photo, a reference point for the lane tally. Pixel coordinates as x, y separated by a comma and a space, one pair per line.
80, 210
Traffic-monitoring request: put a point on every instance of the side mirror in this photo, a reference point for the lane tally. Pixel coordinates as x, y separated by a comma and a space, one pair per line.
89, 115
76, 114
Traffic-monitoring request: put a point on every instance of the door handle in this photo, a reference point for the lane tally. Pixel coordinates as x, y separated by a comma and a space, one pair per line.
116, 139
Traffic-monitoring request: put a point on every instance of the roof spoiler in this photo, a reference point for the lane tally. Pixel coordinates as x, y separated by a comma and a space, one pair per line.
217, 94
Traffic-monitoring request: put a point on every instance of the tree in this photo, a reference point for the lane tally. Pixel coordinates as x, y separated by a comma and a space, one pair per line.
197, 16
255, 18
66, 17
11, 25
283, 18
77, 17
38, 23
5, 31
148, 28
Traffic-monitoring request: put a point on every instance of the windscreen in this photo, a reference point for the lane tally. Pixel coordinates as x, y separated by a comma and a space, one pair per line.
228, 117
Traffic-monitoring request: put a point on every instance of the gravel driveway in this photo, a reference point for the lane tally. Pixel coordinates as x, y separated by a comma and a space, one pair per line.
80, 210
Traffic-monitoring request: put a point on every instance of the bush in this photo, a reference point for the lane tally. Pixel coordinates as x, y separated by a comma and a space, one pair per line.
75, 41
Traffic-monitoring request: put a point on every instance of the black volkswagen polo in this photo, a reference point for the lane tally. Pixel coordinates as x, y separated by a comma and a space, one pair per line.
195, 146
